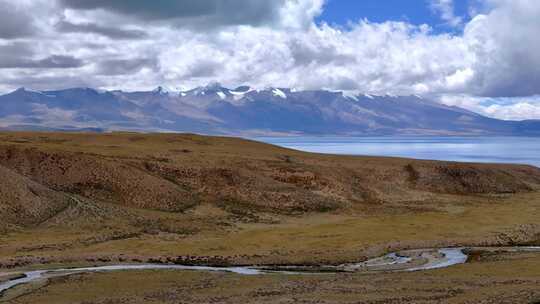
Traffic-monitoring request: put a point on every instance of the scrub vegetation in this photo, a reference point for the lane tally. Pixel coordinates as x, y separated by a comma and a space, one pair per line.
92, 199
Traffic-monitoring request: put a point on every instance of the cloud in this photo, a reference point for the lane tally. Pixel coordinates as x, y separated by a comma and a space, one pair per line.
508, 108
299, 13
21, 55
517, 111
14, 21
445, 8
126, 66
200, 13
371, 57
13, 51
51, 62
506, 44
44, 81
138, 45
93, 28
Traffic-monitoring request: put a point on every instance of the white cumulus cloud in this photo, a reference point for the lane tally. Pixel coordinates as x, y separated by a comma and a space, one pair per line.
133, 45
446, 10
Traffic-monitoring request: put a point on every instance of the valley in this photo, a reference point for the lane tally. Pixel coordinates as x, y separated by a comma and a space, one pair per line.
87, 199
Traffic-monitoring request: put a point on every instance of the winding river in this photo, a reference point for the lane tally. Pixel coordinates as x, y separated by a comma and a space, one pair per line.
408, 260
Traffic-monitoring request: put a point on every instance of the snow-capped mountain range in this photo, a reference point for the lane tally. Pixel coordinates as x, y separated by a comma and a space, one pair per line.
214, 109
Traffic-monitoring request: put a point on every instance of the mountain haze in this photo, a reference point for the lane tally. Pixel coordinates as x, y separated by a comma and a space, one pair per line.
214, 109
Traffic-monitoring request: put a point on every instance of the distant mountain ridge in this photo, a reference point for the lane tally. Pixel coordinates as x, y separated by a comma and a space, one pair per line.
214, 109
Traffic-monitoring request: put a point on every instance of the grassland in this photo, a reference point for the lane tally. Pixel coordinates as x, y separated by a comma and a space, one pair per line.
90, 199
316, 238
505, 279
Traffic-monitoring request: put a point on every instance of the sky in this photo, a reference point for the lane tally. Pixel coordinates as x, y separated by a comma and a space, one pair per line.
483, 55
341, 12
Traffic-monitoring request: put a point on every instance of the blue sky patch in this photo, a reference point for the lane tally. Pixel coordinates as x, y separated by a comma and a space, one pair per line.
340, 12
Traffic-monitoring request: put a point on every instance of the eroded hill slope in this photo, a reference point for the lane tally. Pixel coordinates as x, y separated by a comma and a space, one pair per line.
142, 195
177, 172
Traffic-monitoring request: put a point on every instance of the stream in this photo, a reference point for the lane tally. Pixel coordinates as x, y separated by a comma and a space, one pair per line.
407, 260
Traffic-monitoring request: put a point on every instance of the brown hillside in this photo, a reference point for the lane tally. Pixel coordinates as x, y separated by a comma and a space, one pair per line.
177, 172
68, 197
24, 202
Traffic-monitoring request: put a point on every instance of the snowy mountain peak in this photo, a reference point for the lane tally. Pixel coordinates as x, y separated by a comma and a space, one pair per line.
215, 109
350, 95
221, 95
23, 90
211, 88
279, 93
162, 90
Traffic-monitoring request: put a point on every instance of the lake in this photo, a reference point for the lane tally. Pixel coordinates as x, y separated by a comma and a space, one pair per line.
517, 150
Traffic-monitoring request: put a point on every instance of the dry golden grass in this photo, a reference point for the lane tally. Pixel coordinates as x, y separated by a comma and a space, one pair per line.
85, 199
513, 280
144, 196
312, 238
